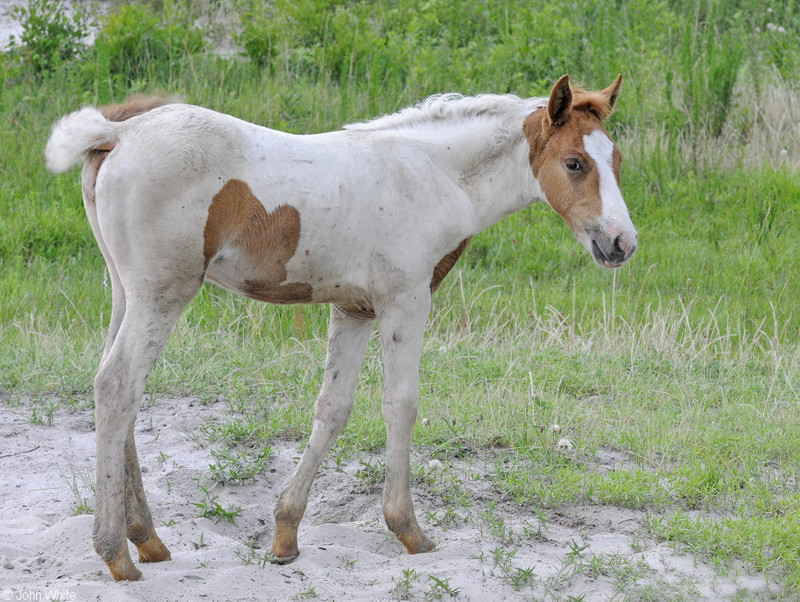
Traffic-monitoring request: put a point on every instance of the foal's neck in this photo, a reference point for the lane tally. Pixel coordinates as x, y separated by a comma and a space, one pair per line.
488, 159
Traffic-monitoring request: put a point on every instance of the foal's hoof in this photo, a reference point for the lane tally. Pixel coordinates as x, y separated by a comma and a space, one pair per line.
153, 550
420, 545
285, 555
415, 541
123, 570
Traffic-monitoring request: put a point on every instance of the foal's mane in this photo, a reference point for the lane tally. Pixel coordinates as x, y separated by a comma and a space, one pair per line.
591, 102
451, 107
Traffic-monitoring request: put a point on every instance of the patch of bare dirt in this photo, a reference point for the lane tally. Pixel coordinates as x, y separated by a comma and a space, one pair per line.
487, 551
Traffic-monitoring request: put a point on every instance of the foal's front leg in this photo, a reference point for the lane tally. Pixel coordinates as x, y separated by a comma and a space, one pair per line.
402, 328
347, 340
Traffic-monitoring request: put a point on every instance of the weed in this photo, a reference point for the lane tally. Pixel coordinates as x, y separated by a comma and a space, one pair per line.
161, 458
349, 563
44, 415
438, 588
209, 507
83, 506
372, 472
236, 466
200, 544
309, 592
403, 586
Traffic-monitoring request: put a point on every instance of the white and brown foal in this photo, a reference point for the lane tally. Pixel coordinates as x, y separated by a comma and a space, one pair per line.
368, 219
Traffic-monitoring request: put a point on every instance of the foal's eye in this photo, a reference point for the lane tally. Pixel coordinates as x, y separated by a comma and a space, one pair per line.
573, 165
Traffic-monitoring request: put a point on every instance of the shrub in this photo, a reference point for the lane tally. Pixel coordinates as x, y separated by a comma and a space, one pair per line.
135, 39
49, 36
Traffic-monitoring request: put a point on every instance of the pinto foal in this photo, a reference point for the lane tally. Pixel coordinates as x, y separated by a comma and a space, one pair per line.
368, 219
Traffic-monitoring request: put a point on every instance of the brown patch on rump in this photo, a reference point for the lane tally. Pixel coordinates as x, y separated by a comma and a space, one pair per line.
446, 264
266, 240
94, 159
135, 105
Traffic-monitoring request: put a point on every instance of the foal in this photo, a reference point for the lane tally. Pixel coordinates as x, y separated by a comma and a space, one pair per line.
368, 219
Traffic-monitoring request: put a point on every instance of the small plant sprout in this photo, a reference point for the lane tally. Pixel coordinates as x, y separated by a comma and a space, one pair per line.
161, 458
437, 588
200, 544
402, 587
309, 592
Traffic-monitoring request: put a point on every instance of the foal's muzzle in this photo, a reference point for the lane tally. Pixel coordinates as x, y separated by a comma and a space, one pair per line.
612, 251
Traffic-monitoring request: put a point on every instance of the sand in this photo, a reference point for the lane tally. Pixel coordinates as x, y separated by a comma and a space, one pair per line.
346, 551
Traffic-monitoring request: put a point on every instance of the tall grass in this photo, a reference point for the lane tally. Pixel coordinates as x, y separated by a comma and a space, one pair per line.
685, 361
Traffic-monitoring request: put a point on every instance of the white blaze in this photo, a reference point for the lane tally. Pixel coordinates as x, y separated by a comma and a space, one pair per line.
600, 148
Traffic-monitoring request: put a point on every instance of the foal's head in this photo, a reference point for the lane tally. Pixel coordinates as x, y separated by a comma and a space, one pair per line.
577, 167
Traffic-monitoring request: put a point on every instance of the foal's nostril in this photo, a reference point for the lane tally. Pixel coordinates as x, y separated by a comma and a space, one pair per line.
618, 254
624, 247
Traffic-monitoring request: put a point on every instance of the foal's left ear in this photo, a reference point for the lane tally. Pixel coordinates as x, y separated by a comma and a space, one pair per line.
612, 92
560, 101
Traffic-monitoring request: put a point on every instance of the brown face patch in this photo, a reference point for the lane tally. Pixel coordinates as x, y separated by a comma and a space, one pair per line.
264, 242
446, 264
573, 195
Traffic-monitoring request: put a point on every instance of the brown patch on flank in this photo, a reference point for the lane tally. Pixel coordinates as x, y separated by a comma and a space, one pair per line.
267, 241
361, 313
446, 264
135, 105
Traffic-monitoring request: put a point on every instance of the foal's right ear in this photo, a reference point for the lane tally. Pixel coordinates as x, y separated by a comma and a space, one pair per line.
560, 101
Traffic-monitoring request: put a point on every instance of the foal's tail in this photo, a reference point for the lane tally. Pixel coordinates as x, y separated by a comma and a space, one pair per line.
90, 128
76, 134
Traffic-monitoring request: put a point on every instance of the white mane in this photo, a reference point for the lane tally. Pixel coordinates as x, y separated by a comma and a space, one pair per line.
451, 107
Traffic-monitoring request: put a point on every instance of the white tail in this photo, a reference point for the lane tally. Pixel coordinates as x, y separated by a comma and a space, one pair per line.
76, 134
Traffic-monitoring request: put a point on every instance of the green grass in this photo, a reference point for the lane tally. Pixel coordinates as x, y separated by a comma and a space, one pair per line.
684, 364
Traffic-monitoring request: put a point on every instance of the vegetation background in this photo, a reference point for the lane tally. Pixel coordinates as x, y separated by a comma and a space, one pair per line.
685, 361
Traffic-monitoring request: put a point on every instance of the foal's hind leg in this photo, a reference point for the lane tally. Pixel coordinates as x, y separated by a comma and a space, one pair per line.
402, 327
119, 386
347, 339
89, 176
138, 521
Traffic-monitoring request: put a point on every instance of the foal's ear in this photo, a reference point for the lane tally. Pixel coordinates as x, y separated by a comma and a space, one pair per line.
560, 101
612, 92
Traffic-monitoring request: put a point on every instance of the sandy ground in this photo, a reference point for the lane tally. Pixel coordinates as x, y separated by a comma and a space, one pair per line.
346, 551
